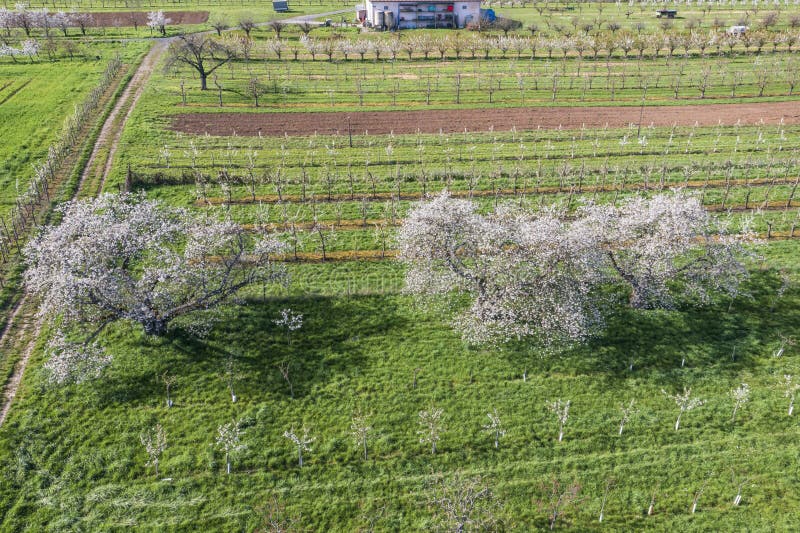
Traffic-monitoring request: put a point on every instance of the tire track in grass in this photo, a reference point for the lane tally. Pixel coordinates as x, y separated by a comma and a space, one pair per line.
14, 92
23, 326
102, 157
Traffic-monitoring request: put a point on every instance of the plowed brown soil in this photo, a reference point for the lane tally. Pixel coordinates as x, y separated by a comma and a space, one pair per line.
457, 120
119, 19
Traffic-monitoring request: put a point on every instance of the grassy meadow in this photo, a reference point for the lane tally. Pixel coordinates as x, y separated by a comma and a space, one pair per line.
71, 457
35, 99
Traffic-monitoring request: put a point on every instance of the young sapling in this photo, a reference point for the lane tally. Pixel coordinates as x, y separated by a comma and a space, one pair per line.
561, 410
229, 439
431, 427
495, 427
360, 429
627, 413
154, 441
169, 381
790, 389
300, 441
741, 395
685, 403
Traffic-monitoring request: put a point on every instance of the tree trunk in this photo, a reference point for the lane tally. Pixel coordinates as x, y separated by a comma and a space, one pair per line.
203, 81
155, 326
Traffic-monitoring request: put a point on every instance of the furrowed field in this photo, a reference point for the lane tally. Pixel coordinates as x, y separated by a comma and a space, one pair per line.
328, 141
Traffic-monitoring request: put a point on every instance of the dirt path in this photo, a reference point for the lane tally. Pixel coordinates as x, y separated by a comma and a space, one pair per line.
23, 327
459, 120
102, 157
26, 325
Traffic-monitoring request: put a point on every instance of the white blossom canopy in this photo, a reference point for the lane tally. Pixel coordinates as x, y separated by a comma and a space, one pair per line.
523, 274
526, 274
127, 257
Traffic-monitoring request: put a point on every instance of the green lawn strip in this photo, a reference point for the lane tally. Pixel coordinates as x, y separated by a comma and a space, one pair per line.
360, 351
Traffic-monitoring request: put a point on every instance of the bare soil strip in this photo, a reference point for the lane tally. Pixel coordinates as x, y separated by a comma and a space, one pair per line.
459, 120
120, 19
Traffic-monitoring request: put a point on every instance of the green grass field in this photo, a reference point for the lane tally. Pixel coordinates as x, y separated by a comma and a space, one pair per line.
71, 458
35, 99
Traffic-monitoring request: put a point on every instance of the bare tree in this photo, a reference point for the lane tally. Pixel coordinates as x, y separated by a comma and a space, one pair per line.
231, 375
220, 23
627, 413
246, 24
169, 381
609, 486
284, 367
201, 52
464, 504
699, 492
740, 481
360, 430
277, 26
556, 497
790, 388
82, 21
276, 519
306, 27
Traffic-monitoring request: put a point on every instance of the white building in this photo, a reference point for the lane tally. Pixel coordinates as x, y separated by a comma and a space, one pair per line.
391, 15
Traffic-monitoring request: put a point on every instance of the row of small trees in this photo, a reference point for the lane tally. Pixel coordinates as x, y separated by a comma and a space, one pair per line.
457, 46
432, 426
27, 20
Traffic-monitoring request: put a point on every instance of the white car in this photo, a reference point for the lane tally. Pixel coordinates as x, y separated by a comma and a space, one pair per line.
737, 30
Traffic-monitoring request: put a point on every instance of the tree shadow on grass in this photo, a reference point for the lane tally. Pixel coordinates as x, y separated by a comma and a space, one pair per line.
328, 344
641, 340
